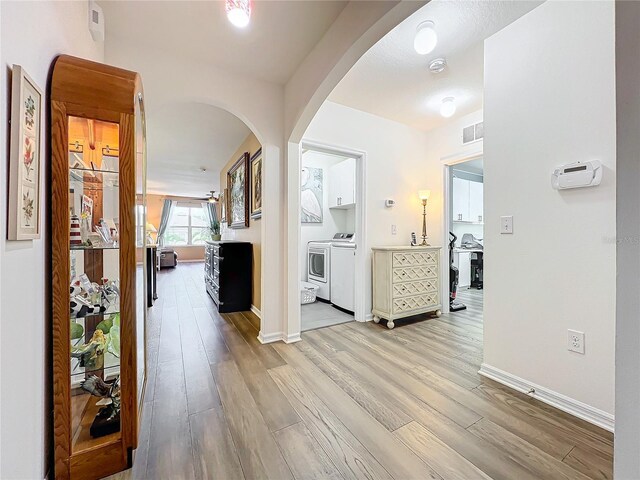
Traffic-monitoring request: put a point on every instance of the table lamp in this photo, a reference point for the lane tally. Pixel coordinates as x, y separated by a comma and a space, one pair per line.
424, 196
151, 229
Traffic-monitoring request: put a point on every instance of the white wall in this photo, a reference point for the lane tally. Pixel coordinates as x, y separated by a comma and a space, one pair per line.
550, 99
400, 161
334, 220
627, 439
32, 35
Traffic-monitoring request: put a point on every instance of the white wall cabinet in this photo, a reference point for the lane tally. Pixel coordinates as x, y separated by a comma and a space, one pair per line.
476, 202
468, 203
342, 184
460, 200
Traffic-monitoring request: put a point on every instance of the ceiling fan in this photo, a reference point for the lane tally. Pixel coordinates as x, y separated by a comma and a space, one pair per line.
212, 197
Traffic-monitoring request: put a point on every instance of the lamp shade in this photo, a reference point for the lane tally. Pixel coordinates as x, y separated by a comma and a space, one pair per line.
424, 194
151, 228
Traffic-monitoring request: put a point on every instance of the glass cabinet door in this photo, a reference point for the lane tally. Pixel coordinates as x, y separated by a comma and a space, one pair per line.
142, 242
94, 283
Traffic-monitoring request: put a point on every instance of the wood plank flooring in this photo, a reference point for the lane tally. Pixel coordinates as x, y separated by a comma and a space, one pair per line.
350, 401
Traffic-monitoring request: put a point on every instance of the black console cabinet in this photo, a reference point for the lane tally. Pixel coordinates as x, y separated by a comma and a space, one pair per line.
227, 274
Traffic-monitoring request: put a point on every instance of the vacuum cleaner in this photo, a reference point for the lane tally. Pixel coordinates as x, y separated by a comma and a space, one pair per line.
453, 279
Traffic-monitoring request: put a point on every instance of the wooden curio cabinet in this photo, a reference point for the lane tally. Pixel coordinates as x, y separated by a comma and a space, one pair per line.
97, 228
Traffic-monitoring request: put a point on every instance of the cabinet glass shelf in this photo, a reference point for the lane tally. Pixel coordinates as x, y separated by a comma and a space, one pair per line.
95, 170
111, 310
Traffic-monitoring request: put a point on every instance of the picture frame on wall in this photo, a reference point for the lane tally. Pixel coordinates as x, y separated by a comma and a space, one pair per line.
256, 185
24, 157
311, 195
238, 186
223, 205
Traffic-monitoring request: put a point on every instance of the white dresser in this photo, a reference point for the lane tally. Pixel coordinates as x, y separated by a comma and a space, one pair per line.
405, 282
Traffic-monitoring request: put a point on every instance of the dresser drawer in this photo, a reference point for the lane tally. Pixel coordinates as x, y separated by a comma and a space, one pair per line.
407, 274
417, 287
415, 302
410, 259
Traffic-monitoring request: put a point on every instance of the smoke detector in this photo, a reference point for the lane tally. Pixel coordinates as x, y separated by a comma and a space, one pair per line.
437, 65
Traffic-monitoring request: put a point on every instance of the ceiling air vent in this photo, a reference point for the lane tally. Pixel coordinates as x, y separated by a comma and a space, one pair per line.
472, 133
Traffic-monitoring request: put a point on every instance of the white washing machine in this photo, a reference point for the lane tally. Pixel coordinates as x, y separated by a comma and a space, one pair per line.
319, 267
319, 263
343, 274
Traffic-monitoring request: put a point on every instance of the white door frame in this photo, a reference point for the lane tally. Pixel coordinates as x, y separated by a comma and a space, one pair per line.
293, 255
447, 163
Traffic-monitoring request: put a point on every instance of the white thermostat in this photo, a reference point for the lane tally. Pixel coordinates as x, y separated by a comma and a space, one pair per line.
577, 175
389, 203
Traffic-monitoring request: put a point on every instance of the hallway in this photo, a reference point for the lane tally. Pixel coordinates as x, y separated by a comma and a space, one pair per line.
350, 401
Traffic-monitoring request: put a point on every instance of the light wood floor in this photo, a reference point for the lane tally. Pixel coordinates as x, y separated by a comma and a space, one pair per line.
350, 401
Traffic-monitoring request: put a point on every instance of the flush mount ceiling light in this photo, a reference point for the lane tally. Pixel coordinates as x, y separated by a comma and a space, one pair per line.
238, 12
448, 107
438, 65
426, 38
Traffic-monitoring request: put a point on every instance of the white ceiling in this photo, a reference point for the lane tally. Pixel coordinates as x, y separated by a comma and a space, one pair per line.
281, 33
183, 139
392, 81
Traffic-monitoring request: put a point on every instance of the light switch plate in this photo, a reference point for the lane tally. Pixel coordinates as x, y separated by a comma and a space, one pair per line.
506, 224
394, 230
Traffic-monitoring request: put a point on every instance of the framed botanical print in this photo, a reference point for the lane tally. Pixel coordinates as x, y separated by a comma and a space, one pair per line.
256, 185
24, 159
238, 185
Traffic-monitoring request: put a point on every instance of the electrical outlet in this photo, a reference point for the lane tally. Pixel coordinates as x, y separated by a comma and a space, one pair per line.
394, 230
575, 341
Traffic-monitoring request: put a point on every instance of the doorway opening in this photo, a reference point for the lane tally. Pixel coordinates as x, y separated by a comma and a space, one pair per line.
464, 232
331, 231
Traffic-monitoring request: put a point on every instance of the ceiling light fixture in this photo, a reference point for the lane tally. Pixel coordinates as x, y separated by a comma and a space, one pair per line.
438, 65
212, 198
448, 107
238, 12
426, 38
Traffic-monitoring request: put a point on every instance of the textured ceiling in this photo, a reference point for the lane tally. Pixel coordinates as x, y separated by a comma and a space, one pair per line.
281, 33
391, 80
185, 138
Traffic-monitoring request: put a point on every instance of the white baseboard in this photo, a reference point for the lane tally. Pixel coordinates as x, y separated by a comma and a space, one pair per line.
257, 312
368, 317
562, 402
270, 337
279, 337
291, 338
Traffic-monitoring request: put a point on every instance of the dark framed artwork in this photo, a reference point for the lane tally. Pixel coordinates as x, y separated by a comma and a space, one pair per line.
238, 185
256, 185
